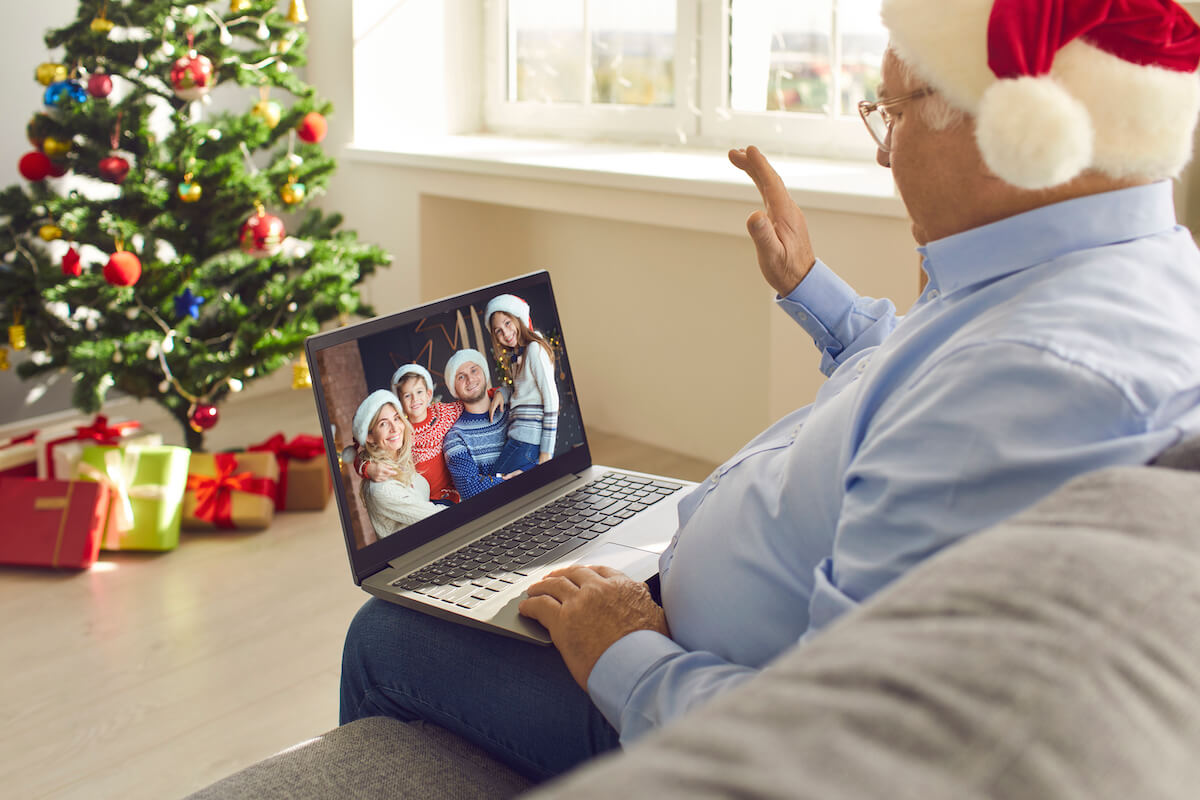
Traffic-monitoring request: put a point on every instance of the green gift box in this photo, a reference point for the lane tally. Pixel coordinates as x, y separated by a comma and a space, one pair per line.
148, 483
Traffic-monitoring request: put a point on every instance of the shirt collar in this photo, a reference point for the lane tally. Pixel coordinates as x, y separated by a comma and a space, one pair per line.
1021, 241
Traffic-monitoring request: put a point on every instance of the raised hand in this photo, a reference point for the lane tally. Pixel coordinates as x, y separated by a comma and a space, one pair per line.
780, 234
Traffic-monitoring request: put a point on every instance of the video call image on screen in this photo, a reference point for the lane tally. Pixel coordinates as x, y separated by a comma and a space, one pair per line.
415, 441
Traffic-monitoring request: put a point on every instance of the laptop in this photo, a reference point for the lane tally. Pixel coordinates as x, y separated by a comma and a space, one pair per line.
472, 560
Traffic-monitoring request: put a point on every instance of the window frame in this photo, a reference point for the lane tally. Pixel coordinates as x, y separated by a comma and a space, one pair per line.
701, 116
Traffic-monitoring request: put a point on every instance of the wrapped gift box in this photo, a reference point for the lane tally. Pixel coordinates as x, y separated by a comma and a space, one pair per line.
230, 490
147, 483
18, 457
304, 480
59, 448
52, 523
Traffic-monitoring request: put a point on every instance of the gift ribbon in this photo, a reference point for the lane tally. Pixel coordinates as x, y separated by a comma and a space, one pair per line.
214, 494
120, 469
62, 522
301, 448
99, 432
16, 440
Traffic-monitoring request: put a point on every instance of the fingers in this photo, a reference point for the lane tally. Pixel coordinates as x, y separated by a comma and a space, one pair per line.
774, 193
544, 608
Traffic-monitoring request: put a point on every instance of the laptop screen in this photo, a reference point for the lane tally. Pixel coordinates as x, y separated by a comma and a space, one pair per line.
436, 457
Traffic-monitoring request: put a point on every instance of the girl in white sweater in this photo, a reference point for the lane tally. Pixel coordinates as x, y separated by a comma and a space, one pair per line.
533, 407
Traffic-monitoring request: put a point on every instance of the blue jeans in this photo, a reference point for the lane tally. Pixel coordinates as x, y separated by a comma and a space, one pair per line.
513, 699
516, 455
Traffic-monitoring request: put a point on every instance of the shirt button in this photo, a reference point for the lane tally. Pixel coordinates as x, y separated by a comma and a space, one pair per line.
862, 365
934, 294
801, 317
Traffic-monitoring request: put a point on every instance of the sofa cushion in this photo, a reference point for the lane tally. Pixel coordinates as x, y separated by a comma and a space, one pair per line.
1056, 655
375, 757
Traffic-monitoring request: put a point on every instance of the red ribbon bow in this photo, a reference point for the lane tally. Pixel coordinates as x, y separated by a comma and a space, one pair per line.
214, 494
25, 438
301, 448
99, 431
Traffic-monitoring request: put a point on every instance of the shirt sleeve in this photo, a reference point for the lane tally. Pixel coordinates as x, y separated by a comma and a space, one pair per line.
985, 433
644, 680
542, 372
840, 322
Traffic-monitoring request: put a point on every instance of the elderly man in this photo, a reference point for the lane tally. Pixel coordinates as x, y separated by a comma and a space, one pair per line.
1032, 143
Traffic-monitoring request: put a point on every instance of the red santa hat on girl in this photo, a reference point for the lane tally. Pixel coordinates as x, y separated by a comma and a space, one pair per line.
510, 304
1060, 86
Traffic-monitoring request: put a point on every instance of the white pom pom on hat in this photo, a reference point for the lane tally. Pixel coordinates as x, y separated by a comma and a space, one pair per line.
462, 357
1060, 86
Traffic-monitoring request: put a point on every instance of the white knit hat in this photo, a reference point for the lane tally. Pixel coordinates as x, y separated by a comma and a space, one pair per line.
460, 358
367, 410
412, 369
510, 304
1060, 86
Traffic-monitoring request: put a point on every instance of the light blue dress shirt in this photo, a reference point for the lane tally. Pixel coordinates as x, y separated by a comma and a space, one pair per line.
1045, 345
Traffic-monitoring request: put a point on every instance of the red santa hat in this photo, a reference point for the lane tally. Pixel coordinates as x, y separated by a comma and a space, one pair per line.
1060, 86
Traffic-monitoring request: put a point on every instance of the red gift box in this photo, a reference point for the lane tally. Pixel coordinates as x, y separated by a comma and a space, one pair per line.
99, 432
52, 523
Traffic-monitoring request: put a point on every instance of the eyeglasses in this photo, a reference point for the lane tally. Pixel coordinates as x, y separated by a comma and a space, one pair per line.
877, 119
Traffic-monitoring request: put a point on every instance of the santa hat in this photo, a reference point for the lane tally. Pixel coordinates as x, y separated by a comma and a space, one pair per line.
412, 369
510, 304
367, 410
1060, 86
460, 358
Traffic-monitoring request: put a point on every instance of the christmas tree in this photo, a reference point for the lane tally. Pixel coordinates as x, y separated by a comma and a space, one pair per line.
142, 251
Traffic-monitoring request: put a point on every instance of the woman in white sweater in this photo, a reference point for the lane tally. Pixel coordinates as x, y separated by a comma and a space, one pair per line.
385, 434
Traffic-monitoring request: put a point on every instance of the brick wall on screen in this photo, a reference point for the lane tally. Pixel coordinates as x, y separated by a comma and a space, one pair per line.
343, 383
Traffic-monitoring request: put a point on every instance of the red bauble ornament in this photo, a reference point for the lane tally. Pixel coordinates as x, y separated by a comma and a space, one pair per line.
58, 169
312, 128
100, 85
262, 234
72, 266
35, 166
192, 76
204, 417
113, 169
123, 269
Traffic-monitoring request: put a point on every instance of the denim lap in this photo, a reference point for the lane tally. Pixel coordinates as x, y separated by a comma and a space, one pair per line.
515, 700
516, 455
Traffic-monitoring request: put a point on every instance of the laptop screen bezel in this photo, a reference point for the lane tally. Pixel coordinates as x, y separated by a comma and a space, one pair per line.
368, 560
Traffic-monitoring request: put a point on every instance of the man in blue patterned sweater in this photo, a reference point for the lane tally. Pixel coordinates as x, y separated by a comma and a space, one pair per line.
473, 444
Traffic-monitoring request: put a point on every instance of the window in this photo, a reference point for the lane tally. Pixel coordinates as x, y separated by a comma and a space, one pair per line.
779, 73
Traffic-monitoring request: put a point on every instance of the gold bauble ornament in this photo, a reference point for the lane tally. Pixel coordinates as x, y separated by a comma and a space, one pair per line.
101, 25
4, 358
56, 148
301, 377
50, 232
268, 111
238, 6
16, 337
297, 13
189, 191
49, 73
293, 192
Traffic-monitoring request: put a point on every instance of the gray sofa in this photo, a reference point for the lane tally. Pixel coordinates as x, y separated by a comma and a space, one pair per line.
1056, 655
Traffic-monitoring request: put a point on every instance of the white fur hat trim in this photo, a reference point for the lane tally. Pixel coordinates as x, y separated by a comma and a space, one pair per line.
367, 410
510, 304
1032, 133
460, 358
413, 369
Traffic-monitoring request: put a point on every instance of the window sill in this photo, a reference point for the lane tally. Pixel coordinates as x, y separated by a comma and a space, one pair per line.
844, 186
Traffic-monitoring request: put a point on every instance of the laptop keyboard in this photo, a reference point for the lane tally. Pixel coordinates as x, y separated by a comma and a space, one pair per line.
472, 574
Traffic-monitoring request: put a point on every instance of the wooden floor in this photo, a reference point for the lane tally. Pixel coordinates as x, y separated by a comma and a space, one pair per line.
150, 676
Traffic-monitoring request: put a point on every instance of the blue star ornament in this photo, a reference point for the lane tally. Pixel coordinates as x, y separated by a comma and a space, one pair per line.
188, 305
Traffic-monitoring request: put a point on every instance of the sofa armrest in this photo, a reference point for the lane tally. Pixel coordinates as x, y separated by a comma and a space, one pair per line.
373, 758
1055, 655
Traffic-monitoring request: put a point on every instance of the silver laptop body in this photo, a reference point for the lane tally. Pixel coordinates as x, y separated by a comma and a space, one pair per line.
472, 562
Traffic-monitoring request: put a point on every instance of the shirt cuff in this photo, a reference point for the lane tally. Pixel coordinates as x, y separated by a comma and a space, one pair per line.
620, 668
818, 302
